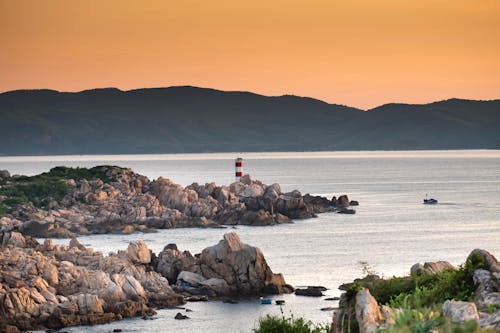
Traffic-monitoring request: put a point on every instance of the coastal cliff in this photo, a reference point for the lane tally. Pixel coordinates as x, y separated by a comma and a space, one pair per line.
66, 202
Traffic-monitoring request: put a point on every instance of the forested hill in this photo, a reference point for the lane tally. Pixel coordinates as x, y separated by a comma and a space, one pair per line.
190, 119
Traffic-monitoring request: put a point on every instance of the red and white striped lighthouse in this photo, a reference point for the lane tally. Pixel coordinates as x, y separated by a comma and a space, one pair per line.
238, 165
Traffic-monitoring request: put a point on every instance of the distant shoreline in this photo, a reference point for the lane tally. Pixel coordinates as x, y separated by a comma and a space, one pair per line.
230, 155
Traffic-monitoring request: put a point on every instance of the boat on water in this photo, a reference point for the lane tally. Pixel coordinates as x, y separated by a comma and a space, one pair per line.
429, 201
265, 301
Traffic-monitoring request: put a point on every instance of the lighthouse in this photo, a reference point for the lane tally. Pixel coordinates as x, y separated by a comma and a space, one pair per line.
238, 166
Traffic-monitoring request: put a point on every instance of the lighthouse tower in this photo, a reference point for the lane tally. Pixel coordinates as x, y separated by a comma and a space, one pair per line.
238, 165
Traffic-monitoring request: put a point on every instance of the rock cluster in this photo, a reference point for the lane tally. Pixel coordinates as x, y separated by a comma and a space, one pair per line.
126, 202
230, 268
52, 286
485, 309
47, 286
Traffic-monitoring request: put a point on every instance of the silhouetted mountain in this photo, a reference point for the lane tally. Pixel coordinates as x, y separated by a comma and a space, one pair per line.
190, 119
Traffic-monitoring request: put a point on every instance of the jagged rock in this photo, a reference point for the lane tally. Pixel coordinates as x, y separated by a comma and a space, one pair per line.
14, 239
368, 313
491, 322
487, 288
127, 202
243, 267
139, 252
342, 201
260, 217
460, 312
75, 243
171, 262
431, 267
41, 289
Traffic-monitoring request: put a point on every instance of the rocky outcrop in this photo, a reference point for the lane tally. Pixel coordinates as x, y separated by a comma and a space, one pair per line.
485, 309
125, 202
230, 268
53, 286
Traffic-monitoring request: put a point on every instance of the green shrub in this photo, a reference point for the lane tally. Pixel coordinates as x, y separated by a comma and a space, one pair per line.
98, 172
275, 324
45, 187
420, 298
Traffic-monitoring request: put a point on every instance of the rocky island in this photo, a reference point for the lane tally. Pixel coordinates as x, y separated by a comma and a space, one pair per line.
66, 202
47, 286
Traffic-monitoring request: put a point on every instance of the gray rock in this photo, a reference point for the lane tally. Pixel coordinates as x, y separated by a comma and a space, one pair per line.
491, 322
460, 312
190, 277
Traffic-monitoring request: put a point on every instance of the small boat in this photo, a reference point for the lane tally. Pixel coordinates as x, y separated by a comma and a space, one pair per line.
280, 301
429, 201
265, 301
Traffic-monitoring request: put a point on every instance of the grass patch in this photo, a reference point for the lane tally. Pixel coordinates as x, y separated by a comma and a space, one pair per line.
432, 289
277, 324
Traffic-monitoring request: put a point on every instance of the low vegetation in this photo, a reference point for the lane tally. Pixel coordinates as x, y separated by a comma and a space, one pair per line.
419, 298
41, 189
282, 324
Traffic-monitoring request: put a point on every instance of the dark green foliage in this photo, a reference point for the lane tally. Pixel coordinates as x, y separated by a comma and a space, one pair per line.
98, 172
4, 209
433, 288
37, 190
419, 298
46, 187
275, 324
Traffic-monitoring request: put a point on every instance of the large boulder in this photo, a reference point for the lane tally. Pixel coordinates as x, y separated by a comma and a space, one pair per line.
368, 313
431, 267
483, 257
460, 312
243, 267
173, 195
139, 253
171, 262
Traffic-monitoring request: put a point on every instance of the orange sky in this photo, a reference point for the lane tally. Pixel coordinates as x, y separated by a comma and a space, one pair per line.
359, 53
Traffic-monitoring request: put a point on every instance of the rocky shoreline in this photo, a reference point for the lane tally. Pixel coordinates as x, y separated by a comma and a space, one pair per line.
47, 286
67, 202
465, 298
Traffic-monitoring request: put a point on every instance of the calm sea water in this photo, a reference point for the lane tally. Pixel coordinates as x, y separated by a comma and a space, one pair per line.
391, 230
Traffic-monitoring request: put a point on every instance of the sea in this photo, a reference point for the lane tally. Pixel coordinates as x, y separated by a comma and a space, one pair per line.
391, 230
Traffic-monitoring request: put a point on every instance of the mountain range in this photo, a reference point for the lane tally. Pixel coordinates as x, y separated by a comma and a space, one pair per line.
194, 120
